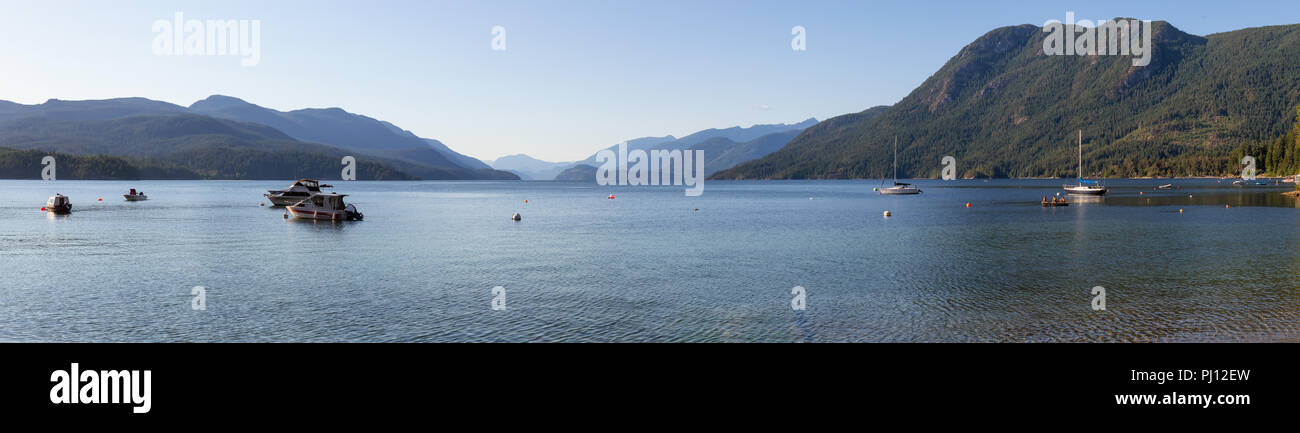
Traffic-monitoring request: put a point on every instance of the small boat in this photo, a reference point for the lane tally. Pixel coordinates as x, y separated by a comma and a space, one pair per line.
299, 191
325, 206
1166, 186
1085, 187
135, 196
1055, 201
899, 188
59, 205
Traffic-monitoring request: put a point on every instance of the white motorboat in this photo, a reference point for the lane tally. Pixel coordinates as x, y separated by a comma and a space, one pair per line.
324, 206
899, 188
299, 191
59, 204
135, 196
1084, 187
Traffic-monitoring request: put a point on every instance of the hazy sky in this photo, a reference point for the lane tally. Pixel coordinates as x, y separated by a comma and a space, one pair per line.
575, 75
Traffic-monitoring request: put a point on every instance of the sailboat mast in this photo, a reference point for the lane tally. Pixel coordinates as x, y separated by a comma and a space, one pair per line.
1080, 157
895, 160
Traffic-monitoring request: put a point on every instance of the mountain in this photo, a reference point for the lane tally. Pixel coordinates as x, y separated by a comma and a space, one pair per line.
461, 160
183, 146
339, 128
529, 168
88, 110
580, 172
723, 148
643, 143
1003, 108
720, 153
149, 132
736, 134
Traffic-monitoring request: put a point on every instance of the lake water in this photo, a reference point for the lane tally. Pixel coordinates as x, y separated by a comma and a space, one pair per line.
652, 264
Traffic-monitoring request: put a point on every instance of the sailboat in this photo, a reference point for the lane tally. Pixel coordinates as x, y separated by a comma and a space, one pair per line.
898, 188
1085, 187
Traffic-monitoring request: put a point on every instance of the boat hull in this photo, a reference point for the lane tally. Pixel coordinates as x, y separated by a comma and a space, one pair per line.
307, 214
1074, 190
899, 191
59, 210
130, 197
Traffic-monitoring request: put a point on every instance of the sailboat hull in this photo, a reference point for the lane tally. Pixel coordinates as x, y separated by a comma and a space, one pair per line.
899, 190
1085, 190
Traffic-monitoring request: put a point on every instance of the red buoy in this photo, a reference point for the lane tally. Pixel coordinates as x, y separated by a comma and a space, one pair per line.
967, 204
611, 196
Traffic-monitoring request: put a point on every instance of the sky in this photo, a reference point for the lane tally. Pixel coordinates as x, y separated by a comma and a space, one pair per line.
574, 75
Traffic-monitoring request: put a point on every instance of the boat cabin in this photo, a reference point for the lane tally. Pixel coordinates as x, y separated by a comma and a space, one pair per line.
58, 200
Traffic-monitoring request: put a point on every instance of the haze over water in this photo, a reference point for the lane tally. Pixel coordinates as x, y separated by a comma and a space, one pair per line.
648, 266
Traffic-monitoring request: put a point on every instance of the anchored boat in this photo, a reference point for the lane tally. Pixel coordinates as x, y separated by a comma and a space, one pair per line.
135, 196
325, 206
1085, 187
899, 188
299, 191
59, 205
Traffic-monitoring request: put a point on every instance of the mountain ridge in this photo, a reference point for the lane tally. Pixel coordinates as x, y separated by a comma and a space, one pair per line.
1005, 109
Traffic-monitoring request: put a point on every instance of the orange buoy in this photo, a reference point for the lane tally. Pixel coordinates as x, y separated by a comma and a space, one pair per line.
525, 200
1226, 206
1180, 211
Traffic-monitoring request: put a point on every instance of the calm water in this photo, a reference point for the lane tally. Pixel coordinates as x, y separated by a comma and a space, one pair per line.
648, 266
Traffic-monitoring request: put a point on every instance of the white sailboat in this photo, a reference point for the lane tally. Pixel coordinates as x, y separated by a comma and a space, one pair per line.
1084, 187
898, 188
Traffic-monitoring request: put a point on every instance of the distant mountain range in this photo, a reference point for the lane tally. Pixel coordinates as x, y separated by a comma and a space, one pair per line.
723, 148
227, 138
1003, 108
529, 168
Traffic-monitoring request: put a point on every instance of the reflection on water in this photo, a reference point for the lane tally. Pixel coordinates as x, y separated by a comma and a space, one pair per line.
654, 265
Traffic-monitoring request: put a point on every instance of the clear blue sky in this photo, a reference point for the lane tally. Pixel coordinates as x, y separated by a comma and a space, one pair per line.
575, 76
